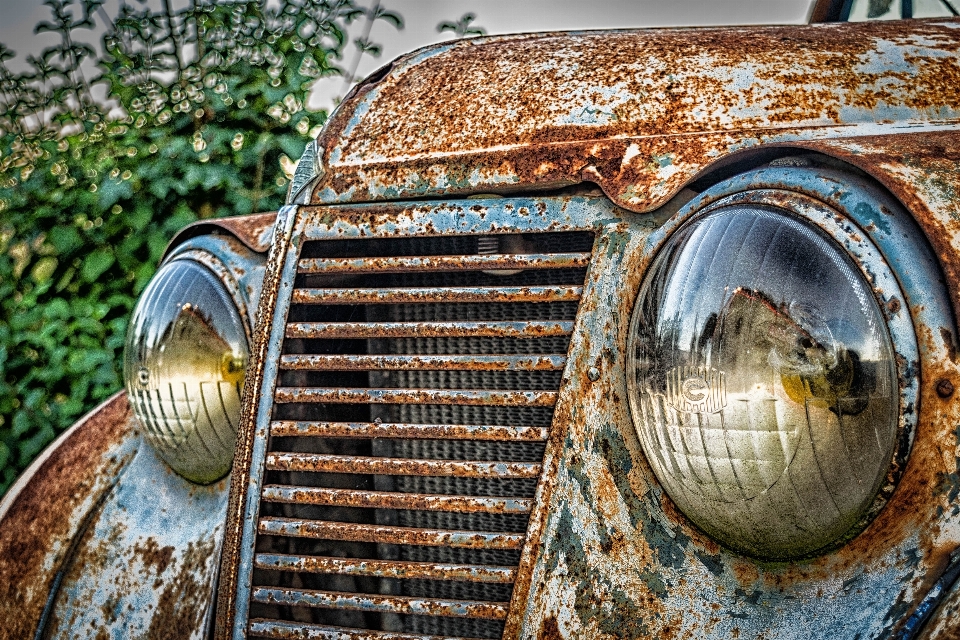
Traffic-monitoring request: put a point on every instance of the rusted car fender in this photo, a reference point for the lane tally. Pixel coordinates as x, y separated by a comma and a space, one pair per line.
46, 510
99, 538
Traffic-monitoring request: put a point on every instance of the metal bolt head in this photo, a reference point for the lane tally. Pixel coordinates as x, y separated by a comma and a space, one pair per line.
593, 373
944, 388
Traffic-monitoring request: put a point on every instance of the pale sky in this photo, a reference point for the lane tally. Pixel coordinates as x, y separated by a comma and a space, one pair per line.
495, 16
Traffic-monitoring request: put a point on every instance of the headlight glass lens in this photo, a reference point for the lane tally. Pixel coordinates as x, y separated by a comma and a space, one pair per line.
184, 363
762, 382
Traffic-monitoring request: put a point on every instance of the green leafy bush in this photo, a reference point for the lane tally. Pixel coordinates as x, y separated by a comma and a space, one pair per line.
192, 114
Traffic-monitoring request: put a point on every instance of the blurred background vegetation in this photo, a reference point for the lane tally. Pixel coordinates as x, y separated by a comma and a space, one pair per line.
105, 152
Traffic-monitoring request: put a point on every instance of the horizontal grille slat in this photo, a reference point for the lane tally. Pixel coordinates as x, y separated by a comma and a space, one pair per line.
411, 410
359, 532
281, 428
354, 330
437, 294
281, 630
395, 500
312, 362
400, 466
407, 264
389, 604
386, 568
468, 397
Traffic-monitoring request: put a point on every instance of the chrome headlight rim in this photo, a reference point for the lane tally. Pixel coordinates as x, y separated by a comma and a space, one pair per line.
226, 277
800, 193
237, 272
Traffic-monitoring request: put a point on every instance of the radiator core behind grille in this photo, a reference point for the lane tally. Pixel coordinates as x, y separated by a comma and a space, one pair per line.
414, 399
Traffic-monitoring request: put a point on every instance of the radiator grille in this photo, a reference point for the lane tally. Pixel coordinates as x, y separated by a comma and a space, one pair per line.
415, 395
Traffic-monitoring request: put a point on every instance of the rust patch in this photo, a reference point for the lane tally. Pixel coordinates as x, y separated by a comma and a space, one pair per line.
254, 230
153, 555
638, 112
550, 630
184, 602
36, 531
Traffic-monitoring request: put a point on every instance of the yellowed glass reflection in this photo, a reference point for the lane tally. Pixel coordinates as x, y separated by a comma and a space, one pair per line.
763, 387
184, 365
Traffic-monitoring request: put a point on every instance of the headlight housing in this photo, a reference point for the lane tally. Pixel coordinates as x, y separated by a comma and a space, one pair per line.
763, 378
186, 354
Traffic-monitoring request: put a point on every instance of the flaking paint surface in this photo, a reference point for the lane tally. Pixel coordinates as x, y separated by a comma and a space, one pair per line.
640, 112
40, 519
145, 568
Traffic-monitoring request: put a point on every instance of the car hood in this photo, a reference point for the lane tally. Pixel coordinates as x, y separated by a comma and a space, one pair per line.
640, 113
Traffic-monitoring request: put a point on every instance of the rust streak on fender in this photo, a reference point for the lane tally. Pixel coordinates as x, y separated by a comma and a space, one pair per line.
39, 514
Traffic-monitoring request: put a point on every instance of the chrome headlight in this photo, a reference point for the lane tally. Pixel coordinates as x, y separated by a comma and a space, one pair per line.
763, 382
186, 354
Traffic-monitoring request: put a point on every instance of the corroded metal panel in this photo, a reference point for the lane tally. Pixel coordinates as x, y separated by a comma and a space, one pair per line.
146, 565
607, 554
101, 537
618, 560
48, 507
640, 113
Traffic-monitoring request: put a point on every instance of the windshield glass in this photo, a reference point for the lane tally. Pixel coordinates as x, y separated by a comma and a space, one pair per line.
861, 10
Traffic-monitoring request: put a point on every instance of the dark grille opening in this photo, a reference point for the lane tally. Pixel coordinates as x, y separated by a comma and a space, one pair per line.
414, 399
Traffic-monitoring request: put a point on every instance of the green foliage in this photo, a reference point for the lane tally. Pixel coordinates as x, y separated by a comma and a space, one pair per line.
462, 27
191, 115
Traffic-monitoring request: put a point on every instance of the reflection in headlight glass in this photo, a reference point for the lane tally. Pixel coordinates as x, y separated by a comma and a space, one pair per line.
763, 384
184, 363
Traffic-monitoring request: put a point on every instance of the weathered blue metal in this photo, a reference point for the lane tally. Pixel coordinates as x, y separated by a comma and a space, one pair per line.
605, 552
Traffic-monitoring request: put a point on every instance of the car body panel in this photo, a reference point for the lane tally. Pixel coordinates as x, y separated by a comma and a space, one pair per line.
607, 554
42, 513
640, 113
111, 542
130, 549
617, 559
146, 566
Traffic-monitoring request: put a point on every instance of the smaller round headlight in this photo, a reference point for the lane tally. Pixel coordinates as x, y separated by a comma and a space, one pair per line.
184, 363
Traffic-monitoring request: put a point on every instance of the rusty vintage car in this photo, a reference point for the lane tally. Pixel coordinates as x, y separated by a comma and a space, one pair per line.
626, 334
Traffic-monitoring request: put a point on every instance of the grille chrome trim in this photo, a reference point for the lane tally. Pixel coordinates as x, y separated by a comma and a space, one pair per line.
527, 329
390, 604
358, 532
403, 246
435, 294
394, 500
465, 397
313, 362
399, 466
411, 405
280, 630
386, 568
408, 264
393, 430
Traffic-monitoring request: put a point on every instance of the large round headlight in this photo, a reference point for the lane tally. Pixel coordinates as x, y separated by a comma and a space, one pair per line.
184, 363
763, 381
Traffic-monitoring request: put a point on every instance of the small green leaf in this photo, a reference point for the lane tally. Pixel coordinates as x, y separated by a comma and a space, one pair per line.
95, 264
